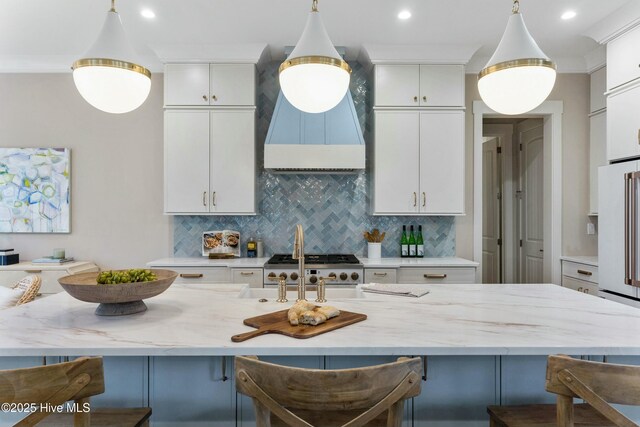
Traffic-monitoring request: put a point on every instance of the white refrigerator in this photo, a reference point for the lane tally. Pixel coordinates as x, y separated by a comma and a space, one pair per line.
619, 232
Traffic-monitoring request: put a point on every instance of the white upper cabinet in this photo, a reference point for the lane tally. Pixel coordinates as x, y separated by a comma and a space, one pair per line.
623, 124
419, 163
209, 85
598, 88
210, 161
623, 59
419, 85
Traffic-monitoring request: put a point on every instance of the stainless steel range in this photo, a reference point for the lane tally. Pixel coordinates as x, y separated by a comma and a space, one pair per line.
347, 269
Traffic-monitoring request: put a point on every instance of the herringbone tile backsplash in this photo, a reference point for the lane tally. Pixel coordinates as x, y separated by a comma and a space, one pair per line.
332, 208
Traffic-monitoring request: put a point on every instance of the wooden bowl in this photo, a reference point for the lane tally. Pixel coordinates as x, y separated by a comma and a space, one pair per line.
119, 299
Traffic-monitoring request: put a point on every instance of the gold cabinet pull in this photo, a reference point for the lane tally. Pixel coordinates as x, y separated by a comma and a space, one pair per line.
191, 275
424, 199
205, 97
380, 274
435, 276
638, 136
213, 199
415, 199
415, 99
33, 271
204, 198
585, 272
246, 273
580, 289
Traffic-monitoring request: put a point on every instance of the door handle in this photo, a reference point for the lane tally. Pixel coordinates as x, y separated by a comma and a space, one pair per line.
204, 198
424, 199
639, 136
634, 229
380, 274
435, 276
246, 273
415, 199
213, 199
191, 275
627, 218
586, 273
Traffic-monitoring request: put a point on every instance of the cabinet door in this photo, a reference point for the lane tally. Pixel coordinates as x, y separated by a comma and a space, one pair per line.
186, 84
233, 162
186, 161
441, 86
442, 162
597, 156
598, 88
623, 124
232, 84
397, 85
623, 59
396, 162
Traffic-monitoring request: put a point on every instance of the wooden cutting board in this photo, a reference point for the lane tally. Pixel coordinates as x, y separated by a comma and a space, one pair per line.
278, 323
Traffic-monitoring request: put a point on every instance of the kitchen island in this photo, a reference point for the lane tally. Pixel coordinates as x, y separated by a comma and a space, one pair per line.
484, 344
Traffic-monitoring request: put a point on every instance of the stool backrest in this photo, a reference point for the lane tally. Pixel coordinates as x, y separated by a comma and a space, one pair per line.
53, 385
599, 384
348, 397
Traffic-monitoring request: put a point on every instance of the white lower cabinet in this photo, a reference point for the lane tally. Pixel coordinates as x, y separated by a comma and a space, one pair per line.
251, 276
437, 275
380, 275
194, 391
580, 277
418, 163
126, 383
209, 161
204, 275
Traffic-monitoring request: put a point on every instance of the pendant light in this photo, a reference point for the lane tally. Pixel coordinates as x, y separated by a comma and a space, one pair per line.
314, 78
108, 76
519, 76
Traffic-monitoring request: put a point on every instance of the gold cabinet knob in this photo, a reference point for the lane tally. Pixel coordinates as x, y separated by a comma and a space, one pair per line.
424, 98
415, 99
205, 97
214, 98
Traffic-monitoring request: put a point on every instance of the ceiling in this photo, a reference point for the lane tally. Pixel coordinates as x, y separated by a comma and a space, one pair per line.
47, 35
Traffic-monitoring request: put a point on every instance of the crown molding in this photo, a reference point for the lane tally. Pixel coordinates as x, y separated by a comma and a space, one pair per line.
417, 54
617, 23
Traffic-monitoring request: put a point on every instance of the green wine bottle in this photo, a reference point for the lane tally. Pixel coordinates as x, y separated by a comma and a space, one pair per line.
412, 244
404, 243
420, 244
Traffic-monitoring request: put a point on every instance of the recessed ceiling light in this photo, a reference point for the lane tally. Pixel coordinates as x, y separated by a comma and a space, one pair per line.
405, 14
570, 14
147, 13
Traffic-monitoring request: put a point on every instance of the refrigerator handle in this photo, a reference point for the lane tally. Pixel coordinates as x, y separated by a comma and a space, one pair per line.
634, 228
627, 219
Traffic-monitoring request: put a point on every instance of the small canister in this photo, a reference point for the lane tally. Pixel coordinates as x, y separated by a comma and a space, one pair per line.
260, 248
251, 248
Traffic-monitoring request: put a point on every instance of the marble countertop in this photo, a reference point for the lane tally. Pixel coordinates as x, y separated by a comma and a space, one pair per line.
581, 259
206, 262
259, 262
451, 320
417, 262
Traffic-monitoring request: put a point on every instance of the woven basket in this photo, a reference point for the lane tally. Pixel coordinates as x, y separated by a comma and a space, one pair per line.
30, 285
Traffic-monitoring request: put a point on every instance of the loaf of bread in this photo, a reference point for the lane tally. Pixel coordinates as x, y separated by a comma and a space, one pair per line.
312, 317
328, 311
296, 311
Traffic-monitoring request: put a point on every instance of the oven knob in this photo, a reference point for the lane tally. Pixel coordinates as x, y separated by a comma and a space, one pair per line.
283, 275
272, 276
354, 276
294, 276
313, 279
332, 276
343, 276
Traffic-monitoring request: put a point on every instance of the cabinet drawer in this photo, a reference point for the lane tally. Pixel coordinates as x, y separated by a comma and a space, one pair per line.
437, 275
202, 275
579, 285
250, 276
380, 275
584, 272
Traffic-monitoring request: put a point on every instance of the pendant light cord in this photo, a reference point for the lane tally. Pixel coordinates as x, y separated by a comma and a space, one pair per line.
113, 6
516, 6
314, 6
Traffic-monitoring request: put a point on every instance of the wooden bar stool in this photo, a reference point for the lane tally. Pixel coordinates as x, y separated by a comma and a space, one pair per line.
598, 384
57, 384
313, 397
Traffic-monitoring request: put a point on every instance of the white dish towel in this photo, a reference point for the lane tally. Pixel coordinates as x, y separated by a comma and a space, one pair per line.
415, 291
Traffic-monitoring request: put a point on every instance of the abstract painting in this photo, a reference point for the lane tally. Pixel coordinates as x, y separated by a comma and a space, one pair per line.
34, 190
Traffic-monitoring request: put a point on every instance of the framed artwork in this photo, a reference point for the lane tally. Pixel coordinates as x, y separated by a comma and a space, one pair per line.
35, 190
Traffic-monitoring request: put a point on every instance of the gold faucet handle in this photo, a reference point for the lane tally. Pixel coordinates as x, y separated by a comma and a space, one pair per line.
329, 278
320, 291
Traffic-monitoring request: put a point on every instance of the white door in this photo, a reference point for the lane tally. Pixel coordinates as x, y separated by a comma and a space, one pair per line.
186, 161
232, 84
441, 86
397, 85
532, 202
442, 162
491, 213
186, 84
396, 162
233, 162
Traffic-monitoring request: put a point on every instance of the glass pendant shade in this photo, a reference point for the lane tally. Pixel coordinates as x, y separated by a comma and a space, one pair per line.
314, 78
519, 76
108, 76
